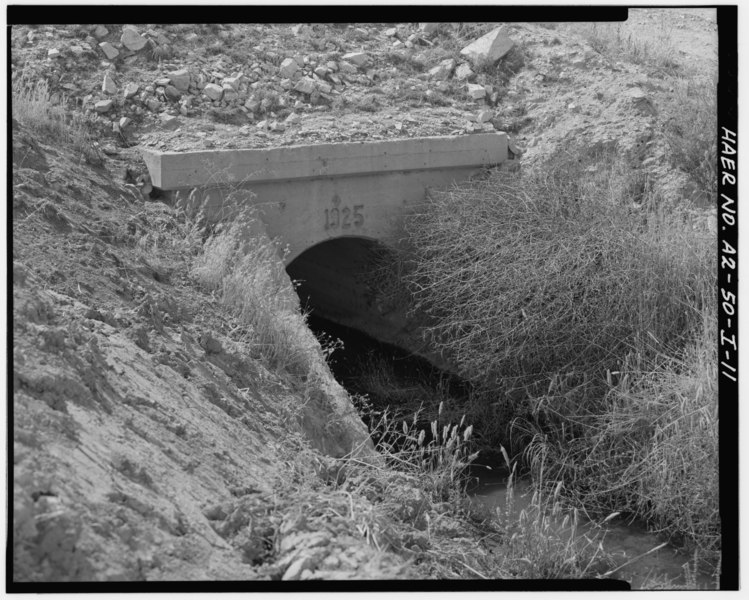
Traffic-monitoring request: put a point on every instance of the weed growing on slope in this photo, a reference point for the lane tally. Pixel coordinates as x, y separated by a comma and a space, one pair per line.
571, 297
34, 105
615, 43
548, 275
690, 126
243, 267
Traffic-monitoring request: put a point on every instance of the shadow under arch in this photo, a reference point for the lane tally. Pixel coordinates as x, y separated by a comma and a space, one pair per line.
335, 278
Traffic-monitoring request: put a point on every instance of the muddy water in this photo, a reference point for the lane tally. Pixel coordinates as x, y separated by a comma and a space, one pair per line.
624, 542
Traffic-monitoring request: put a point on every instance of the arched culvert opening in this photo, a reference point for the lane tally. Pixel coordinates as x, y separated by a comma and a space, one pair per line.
337, 284
334, 278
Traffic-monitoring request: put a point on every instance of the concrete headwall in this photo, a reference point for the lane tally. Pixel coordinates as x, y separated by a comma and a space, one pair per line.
306, 195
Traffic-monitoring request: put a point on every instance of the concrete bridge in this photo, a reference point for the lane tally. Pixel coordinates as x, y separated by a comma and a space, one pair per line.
329, 204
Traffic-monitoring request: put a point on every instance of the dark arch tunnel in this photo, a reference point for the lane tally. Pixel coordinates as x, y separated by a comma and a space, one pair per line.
335, 283
334, 279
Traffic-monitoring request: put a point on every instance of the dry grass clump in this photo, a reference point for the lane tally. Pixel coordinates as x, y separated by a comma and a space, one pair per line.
616, 43
440, 455
543, 276
242, 266
34, 105
690, 125
649, 449
546, 541
574, 297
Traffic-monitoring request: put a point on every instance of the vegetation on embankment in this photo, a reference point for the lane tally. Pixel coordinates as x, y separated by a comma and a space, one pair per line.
172, 420
581, 306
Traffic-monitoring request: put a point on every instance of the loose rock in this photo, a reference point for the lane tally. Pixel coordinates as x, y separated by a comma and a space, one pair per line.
180, 79
108, 86
130, 90
101, 32
357, 58
288, 67
476, 91
172, 92
489, 48
463, 72
213, 91
132, 40
103, 106
109, 51
305, 85
169, 121
484, 116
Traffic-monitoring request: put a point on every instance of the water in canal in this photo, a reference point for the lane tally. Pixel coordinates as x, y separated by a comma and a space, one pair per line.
622, 541
663, 569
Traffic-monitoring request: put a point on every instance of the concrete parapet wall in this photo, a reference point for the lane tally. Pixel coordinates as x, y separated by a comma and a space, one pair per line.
177, 170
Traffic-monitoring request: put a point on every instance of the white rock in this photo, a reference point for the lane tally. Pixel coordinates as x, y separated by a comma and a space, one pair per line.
489, 48
213, 91
443, 70
180, 79
100, 32
77, 50
103, 105
293, 119
357, 58
124, 122
463, 72
169, 121
484, 116
262, 124
288, 67
475, 91
305, 85
53, 53
108, 86
132, 40
392, 32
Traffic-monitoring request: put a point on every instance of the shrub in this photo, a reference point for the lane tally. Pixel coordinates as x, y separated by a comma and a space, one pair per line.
242, 266
650, 449
538, 275
34, 105
614, 42
572, 297
690, 126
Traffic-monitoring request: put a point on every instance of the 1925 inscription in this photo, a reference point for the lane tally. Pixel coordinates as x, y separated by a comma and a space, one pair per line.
343, 217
